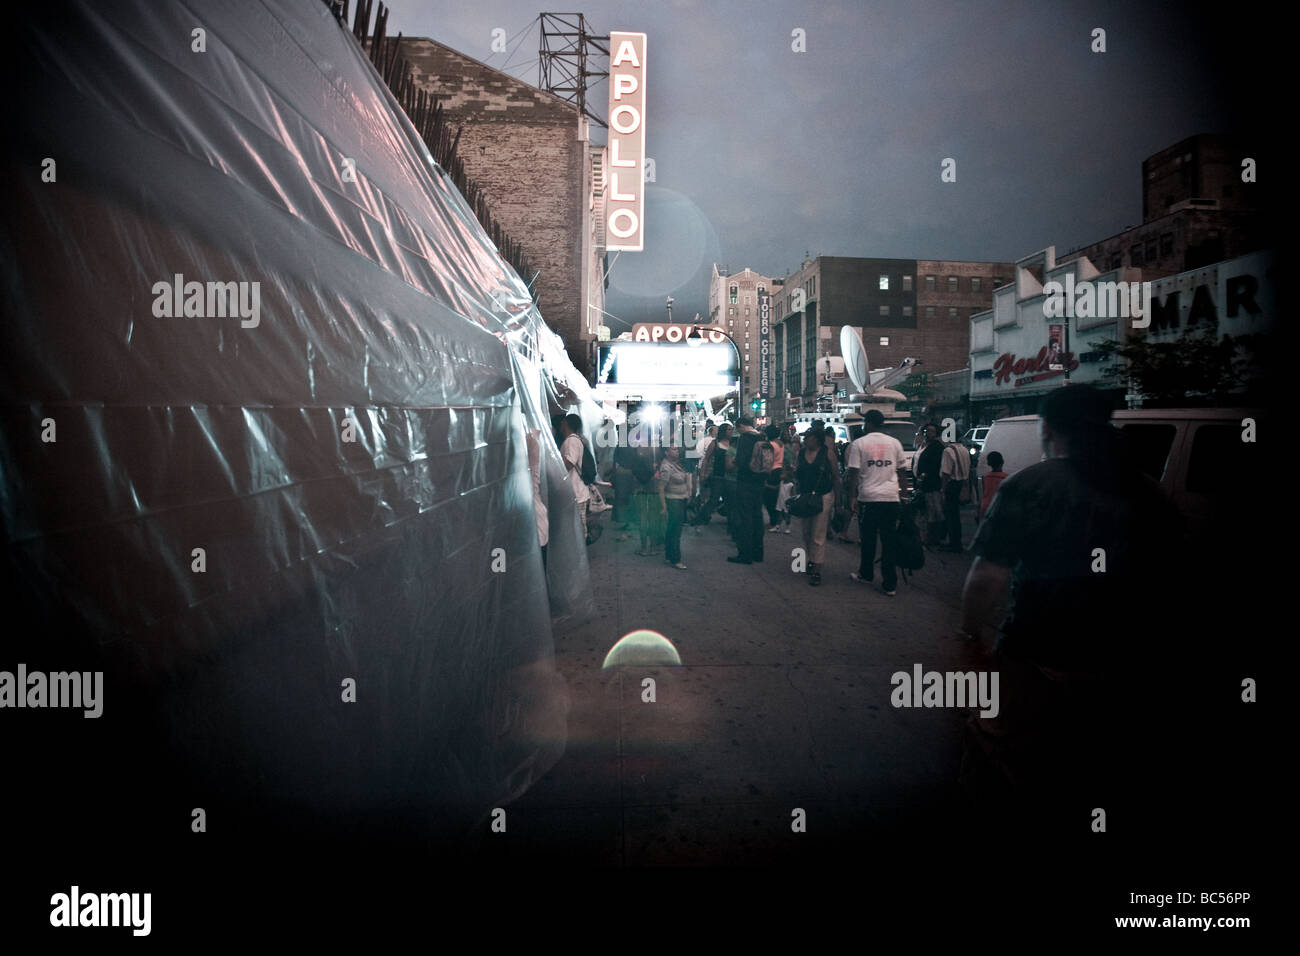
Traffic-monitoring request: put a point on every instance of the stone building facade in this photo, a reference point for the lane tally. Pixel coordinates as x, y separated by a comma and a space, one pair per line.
733, 306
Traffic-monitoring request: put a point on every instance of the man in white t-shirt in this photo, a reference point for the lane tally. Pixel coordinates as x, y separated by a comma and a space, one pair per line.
571, 448
875, 463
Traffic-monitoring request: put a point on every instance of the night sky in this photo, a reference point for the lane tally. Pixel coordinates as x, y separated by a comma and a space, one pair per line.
762, 153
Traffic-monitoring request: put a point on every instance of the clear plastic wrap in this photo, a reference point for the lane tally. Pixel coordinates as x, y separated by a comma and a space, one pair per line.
243, 508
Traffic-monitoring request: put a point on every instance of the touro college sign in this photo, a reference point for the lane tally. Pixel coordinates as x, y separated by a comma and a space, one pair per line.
625, 201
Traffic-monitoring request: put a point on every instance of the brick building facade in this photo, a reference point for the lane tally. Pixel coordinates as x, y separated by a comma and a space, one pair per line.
906, 308
529, 152
1196, 210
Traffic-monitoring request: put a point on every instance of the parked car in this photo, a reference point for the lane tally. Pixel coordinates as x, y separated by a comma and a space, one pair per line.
974, 437
1197, 454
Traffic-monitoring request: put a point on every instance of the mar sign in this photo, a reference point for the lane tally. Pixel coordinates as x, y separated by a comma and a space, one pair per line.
625, 202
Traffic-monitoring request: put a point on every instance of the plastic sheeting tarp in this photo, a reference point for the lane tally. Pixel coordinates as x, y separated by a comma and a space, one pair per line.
235, 502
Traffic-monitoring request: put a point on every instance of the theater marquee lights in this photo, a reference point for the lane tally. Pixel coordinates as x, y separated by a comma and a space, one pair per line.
644, 364
625, 202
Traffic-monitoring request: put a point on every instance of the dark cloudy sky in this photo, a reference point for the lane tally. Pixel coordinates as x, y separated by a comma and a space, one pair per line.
762, 153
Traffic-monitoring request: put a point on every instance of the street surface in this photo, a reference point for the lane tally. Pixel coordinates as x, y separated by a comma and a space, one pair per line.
781, 702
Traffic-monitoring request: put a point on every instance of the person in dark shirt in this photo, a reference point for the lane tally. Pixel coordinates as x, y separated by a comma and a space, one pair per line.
749, 497
929, 463
816, 475
1082, 540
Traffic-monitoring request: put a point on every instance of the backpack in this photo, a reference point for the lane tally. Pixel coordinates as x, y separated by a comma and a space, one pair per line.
705, 470
909, 552
588, 466
642, 470
762, 459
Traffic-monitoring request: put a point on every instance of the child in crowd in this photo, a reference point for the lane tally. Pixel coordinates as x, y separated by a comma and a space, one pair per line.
785, 493
991, 482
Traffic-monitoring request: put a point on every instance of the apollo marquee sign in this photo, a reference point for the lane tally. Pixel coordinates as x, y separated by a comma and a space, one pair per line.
663, 332
625, 202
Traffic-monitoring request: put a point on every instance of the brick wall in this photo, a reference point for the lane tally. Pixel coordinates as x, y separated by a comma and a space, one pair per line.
1183, 240
943, 340
521, 145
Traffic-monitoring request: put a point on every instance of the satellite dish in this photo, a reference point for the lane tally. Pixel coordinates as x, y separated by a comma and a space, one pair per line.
855, 358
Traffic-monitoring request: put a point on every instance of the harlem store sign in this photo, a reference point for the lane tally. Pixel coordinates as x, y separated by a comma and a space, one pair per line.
1235, 298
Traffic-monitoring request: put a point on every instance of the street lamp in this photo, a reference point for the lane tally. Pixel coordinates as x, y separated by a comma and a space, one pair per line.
695, 338
670, 310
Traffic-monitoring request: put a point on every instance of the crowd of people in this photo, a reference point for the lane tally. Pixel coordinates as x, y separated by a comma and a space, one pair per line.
768, 481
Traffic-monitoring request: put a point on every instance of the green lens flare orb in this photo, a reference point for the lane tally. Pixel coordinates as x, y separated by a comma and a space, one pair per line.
642, 649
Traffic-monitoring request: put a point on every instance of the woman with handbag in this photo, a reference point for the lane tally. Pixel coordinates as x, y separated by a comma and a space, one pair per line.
714, 471
818, 483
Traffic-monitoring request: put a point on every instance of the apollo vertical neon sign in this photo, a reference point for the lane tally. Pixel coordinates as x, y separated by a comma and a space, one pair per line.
625, 203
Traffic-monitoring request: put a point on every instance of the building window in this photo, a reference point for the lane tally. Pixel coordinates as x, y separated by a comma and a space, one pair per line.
952, 283
907, 311
747, 323
929, 312
731, 311
735, 294
952, 313
1135, 256
929, 283
746, 346
907, 283
747, 312
884, 283
1117, 260
884, 310
762, 288
997, 281
884, 340
1166, 245
976, 284
1151, 250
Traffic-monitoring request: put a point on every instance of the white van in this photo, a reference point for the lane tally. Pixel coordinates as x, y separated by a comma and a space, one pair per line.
1197, 454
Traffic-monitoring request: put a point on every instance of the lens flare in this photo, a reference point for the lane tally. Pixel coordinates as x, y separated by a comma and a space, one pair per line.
642, 649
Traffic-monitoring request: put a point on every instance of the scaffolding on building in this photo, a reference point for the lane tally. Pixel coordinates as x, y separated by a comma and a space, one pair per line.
565, 48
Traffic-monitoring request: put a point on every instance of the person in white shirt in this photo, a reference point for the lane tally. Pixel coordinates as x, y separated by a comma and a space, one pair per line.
875, 462
571, 449
954, 473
